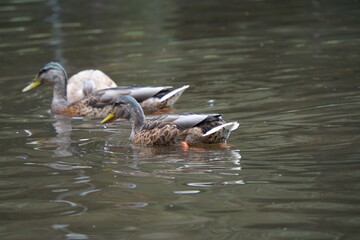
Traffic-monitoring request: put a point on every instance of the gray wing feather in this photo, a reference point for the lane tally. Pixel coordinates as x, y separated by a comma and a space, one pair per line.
107, 96
143, 93
190, 120
182, 121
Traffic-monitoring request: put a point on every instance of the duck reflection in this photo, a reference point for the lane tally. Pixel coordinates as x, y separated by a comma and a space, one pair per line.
63, 129
208, 159
61, 142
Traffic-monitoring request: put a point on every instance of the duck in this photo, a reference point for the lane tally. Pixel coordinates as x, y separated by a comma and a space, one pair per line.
185, 129
96, 104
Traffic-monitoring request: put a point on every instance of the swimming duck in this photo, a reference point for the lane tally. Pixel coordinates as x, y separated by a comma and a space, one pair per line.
185, 129
98, 103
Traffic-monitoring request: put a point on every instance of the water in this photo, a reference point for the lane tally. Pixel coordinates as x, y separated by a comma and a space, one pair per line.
287, 71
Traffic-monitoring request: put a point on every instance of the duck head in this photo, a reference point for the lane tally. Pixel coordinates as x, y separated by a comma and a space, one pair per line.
51, 73
127, 107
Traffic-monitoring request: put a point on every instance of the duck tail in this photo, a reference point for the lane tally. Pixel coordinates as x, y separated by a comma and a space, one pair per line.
171, 97
226, 129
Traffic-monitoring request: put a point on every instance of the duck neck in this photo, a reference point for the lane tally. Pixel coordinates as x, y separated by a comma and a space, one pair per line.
137, 120
59, 92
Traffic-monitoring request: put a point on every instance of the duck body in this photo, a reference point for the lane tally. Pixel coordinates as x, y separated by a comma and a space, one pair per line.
96, 104
169, 130
99, 103
86, 82
172, 129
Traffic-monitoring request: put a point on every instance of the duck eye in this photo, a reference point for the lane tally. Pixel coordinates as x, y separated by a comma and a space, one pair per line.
44, 70
119, 102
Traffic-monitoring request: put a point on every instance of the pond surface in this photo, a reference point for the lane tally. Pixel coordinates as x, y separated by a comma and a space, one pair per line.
288, 71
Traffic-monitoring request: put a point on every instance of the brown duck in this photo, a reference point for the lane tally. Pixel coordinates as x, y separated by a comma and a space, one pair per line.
187, 128
97, 104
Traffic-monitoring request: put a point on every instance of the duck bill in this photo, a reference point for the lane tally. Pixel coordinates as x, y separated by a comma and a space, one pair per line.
109, 118
36, 82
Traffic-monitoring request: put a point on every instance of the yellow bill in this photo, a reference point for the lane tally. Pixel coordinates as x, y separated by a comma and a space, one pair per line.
110, 117
36, 82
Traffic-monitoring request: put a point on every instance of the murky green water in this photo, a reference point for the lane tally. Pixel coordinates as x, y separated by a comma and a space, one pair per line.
288, 71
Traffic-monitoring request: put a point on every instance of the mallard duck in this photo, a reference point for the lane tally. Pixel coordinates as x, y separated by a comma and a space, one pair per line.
98, 103
187, 128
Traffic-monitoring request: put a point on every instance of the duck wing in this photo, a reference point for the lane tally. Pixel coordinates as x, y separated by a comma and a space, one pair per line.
182, 121
105, 97
186, 121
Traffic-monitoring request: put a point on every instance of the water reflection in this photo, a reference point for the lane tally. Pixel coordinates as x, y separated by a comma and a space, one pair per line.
61, 142
57, 36
131, 204
171, 164
69, 234
196, 160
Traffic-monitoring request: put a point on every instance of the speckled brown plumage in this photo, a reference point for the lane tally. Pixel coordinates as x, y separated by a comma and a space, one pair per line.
165, 135
159, 132
171, 129
82, 109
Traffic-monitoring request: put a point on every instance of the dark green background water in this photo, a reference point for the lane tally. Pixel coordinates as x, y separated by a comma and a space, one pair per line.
288, 71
